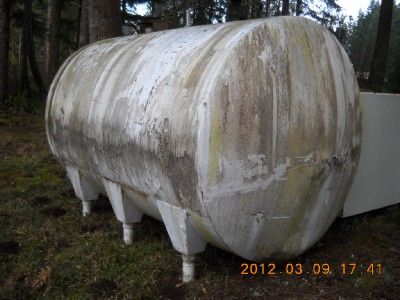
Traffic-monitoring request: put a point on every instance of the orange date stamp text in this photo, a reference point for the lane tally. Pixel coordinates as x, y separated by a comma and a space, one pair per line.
271, 269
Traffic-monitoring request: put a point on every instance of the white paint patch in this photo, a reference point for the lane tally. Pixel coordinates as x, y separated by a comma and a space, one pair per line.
240, 186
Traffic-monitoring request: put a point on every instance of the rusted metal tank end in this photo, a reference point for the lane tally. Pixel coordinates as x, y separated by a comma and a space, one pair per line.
183, 235
124, 209
84, 190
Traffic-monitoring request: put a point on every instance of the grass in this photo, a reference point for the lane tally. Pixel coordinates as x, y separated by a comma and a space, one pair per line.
47, 250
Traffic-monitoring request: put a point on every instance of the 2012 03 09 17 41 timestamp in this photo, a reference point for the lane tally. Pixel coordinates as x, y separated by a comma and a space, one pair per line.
345, 268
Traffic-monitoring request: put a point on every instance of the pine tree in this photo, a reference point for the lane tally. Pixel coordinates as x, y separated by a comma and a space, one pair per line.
379, 60
4, 48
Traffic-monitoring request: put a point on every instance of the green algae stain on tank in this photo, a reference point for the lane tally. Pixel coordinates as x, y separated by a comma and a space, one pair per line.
216, 146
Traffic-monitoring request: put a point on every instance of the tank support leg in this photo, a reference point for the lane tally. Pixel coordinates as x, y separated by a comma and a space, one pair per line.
84, 190
183, 235
86, 207
124, 209
188, 267
128, 233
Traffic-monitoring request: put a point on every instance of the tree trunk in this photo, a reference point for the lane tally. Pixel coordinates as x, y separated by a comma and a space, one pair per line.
4, 48
187, 21
285, 8
379, 59
104, 19
123, 13
53, 40
236, 11
278, 10
84, 25
30, 45
123, 8
158, 7
365, 55
23, 55
200, 16
78, 23
260, 9
268, 8
299, 7
257, 9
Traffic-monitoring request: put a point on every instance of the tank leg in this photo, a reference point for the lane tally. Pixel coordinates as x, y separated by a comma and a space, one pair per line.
128, 233
124, 209
84, 190
86, 207
188, 267
183, 235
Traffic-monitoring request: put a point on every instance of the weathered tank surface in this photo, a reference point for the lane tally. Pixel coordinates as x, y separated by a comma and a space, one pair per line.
247, 132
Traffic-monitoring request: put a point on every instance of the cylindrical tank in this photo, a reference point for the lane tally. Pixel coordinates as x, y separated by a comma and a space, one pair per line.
252, 127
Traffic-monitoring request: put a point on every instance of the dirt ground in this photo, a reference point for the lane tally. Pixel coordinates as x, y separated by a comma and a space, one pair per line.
47, 250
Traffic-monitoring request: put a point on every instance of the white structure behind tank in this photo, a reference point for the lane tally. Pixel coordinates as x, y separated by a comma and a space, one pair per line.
377, 181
